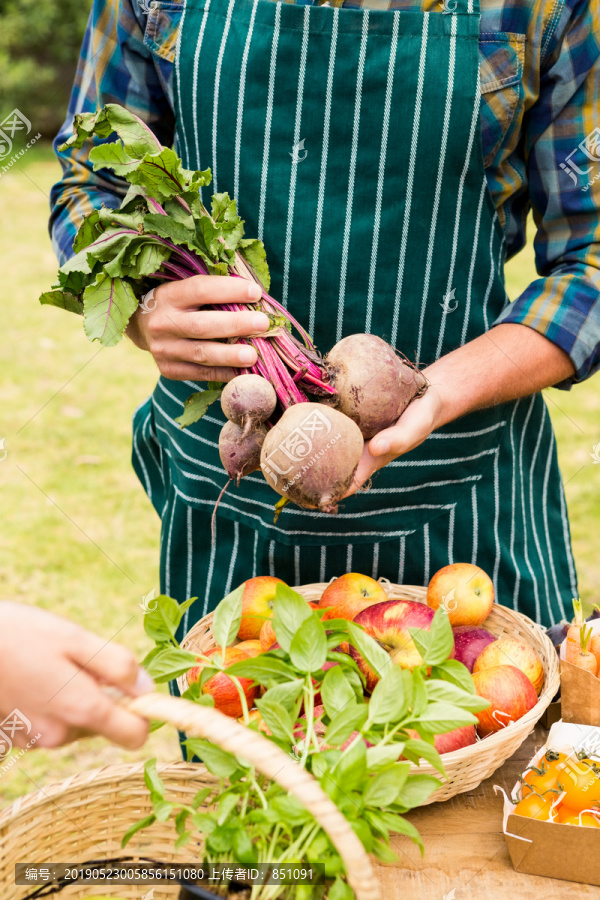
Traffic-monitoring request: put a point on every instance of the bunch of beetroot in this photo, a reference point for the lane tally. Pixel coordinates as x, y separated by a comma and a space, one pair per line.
309, 455
302, 419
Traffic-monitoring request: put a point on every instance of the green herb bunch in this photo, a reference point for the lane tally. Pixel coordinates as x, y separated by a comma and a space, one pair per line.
352, 748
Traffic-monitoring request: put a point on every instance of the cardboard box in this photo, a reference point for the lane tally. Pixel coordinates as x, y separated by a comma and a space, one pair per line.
580, 690
548, 848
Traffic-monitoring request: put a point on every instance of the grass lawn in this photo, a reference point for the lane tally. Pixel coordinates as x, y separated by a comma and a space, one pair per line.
79, 536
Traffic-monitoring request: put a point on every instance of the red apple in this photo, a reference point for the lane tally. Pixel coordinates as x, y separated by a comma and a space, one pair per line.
455, 739
221, 687
267, 635
257, 605
507, 651
511, 695
350, 594
451, 740
388, 623
469, 641
465, 591
347, 596
250, 648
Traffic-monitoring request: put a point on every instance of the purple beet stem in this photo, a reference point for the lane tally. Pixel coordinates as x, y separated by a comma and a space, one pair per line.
289, 365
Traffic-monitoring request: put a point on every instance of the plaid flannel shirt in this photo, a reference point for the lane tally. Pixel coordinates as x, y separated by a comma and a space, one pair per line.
540, 104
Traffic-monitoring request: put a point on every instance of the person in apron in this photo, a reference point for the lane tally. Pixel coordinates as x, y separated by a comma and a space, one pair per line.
351, 139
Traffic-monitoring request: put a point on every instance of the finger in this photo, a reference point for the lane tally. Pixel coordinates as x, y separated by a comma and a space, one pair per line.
54, 734
202, 289
367, 465
175, 370
85, 706
110, 662
213, 354
211, 324
415, 424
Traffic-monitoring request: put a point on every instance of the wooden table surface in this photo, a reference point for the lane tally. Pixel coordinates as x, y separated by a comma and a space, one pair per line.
465, 848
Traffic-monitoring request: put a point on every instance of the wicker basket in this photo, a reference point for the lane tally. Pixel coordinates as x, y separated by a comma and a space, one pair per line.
85, 817
468, 767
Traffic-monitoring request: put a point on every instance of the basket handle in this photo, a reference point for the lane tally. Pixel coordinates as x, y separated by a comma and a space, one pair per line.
270, 760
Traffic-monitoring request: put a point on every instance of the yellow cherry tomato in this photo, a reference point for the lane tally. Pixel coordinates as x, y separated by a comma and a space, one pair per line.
568, 816
535, 807
580, 779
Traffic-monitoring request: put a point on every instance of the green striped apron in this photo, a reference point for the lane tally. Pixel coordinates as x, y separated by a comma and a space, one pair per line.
351, 138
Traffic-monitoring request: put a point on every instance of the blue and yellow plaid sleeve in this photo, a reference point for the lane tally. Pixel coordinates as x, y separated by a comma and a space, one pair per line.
115, 66
562, 156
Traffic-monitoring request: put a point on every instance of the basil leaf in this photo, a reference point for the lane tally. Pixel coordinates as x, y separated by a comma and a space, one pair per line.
441, 638
421, 639
219, 762
456, 672
286, 694
243, 848
419, 697
153, 780
416, 749
308, 649
372, 652
440, 717
351, 768
162, 619
349, 719
277, 719
385, 787
227, 617
417, 789
379, 757
389, 700
138, 826
262, 669
445, 690
170, 663
399, 825
336, 691
340, 890
290, 610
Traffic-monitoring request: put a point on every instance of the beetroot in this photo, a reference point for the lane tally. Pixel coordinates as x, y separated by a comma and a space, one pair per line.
239, 449
248, 400
310, 455
374, 385
469, 641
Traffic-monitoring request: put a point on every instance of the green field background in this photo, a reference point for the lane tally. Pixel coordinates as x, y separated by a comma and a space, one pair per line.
78, 535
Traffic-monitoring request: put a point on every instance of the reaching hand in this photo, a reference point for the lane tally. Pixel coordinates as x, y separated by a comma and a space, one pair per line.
52, 672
